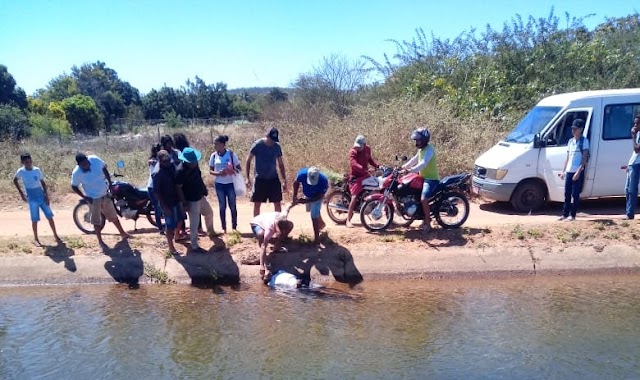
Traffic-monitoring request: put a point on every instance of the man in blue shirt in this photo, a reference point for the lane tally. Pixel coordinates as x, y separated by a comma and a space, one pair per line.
91, 173
314, 186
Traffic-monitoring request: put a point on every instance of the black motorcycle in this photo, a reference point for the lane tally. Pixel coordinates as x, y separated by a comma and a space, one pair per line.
130, 203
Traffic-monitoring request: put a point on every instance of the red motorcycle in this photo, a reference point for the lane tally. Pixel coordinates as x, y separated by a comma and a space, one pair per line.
401, 196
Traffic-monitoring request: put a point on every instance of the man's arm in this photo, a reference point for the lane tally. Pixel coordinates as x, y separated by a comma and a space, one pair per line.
636, 146
106, 174
76, 190
411, 162
296, 186
15, 182
283, 173
428, 155
46, 193
356, 168
248, 172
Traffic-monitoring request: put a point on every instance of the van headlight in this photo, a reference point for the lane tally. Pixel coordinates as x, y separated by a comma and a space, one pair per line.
498, 174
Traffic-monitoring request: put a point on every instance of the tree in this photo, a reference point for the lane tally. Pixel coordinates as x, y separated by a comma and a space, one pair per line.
82, 113
277, 95
13, 123
59, 88
9, 93
334, 81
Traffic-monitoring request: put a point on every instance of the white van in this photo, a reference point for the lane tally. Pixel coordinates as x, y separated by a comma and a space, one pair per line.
525, 167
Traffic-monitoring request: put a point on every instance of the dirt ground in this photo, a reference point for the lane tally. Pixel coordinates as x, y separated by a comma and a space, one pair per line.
495, 240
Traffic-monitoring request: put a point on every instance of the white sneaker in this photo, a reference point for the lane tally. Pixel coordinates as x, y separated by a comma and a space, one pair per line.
570, 219
562, 218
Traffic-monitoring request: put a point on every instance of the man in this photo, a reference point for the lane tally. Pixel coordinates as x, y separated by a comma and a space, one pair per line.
166, 190
266, 185
359, 160
424, 163
267, 226
193, 192
91, 173
633, 171
573, 170
314, 186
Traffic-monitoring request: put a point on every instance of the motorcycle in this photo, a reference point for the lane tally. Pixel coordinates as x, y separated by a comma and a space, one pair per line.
339, 198
130, 202
401, 195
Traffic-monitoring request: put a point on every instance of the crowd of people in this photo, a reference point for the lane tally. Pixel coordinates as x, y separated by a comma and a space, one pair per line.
179, 194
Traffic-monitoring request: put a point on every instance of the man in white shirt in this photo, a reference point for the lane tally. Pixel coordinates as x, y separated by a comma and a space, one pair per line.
573, 174
633, 171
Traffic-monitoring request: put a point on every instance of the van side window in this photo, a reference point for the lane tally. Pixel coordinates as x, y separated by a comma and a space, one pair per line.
561, 133
618, 120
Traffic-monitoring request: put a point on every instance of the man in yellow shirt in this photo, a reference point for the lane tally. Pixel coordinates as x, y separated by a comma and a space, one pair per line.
424, 163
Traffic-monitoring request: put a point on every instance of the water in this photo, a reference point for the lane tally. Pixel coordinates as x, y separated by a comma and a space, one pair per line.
523, 328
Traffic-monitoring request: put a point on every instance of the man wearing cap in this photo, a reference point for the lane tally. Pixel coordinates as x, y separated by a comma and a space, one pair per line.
91, 173
266, 185
633, 172
314, 186
193, 192
573, 170
359, 160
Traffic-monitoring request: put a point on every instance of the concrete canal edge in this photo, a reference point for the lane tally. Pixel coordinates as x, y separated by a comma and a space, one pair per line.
351, 265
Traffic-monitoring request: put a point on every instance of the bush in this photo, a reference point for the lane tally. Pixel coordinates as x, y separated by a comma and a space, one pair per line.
172, 119
13, 123
82, 113
43, 125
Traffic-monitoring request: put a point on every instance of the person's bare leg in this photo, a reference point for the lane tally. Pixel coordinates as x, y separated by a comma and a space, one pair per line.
123, 233
98, 229
256, 208
426, 223
277, 206
316, 230
53, 228
34, 227
352, 208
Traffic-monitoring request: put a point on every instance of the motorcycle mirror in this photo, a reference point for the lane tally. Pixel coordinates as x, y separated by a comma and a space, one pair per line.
405, 158
397, 158
120, 164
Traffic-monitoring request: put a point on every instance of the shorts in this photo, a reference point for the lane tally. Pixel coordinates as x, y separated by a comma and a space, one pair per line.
35, 197
102, 206
256, 229
355, 186
267, 190
429, 187
314, 208
171, 222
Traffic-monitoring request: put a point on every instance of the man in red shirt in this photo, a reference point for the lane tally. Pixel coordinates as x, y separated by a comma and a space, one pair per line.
359, 160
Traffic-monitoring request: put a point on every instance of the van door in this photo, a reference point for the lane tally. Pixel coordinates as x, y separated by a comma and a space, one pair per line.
614, 149
553, 154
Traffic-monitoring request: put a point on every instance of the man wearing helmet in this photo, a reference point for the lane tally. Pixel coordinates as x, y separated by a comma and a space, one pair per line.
424, 163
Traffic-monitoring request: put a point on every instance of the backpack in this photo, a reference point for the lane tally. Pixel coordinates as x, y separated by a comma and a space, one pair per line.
581, 146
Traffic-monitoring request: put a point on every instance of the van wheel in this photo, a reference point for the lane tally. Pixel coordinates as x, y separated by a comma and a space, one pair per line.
529, 196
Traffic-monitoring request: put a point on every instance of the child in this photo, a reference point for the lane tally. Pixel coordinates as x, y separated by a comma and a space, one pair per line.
36, 194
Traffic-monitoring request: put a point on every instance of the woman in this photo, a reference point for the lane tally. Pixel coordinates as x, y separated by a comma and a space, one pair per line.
223, 166
153, 161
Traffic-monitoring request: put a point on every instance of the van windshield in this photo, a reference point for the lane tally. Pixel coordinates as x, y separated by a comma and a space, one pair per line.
532, 123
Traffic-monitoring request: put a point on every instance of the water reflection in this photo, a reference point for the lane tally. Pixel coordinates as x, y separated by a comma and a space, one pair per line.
509, 328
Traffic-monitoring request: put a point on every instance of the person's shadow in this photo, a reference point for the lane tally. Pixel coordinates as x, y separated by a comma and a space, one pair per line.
210, 269
61, 253
126, 265
333, 259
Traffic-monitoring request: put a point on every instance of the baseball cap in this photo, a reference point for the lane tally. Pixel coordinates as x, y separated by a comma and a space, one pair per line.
273, 134
313, 176
190, 155
360, 141
577, 123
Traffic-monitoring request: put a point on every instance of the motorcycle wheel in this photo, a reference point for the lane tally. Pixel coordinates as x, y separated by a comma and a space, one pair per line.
341, 199
376, 216
403, 220
452, 211
151, 216
82, 218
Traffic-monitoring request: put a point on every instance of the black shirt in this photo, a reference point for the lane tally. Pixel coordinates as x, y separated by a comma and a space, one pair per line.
164, 184
193, 186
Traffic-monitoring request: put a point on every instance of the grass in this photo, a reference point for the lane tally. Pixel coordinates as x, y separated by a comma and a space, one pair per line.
157, 275
304, 239
75, 242
518, 233
534, 233
235, 237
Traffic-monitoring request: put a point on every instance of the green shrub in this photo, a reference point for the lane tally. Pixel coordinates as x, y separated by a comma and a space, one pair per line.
43, 125
14, 124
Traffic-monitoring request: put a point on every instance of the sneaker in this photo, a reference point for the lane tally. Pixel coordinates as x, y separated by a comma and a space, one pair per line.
570, 219
627, 217
560, 219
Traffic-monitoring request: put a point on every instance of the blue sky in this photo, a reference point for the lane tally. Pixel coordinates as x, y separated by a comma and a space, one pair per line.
240, 42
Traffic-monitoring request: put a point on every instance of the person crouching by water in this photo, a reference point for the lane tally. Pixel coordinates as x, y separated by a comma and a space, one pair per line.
166, 190
267, 226
314, 186
193, 191
223, 165
91, 173
36, 195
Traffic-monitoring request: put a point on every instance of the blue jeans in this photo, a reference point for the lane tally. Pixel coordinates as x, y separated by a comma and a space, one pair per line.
226, 193
631, 189
572, 190
156, 208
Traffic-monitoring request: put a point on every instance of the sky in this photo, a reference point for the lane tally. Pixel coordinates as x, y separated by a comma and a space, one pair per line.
243, 43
